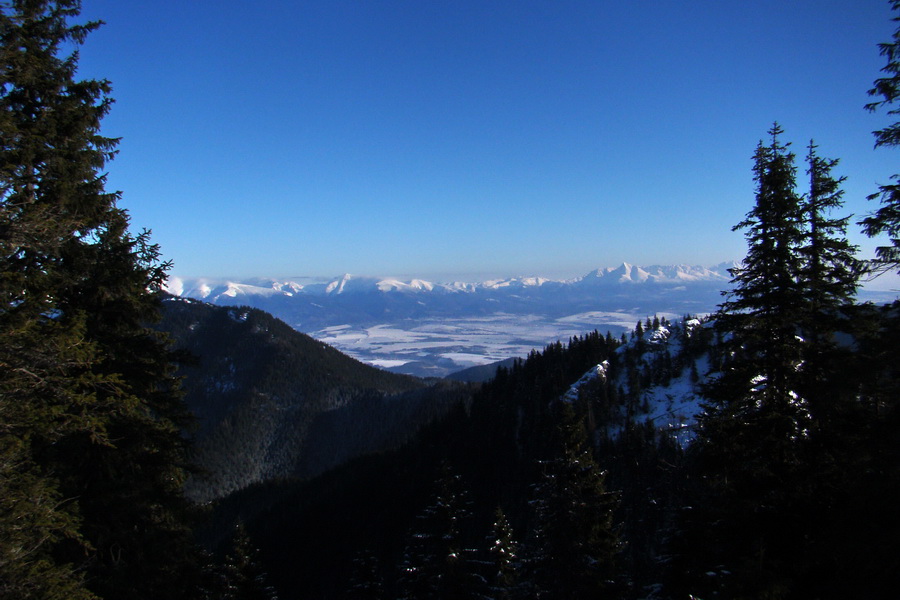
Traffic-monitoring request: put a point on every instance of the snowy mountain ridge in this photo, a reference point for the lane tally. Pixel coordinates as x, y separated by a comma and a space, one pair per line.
212, 289
421, 327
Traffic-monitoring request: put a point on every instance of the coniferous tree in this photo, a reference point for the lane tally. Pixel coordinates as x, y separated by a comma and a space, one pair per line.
751, 445
48, 194
435, 562
773, 444
90, 406
130, 490
33, 521
244, 576
799, 274
765, 306
573, 554
831, 270
830, 276
886, 219
505, 582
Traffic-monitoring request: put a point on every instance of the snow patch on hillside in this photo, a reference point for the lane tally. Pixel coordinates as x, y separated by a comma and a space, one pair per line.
595, 373
672, 406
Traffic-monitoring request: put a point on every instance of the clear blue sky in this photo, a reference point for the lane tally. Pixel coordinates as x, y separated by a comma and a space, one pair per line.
444, 138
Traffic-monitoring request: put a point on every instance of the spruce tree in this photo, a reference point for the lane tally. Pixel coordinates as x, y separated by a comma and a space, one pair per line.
770, 446
831, 269
244, 577
47, 177
765, 306
886, 219
435, 562
751, 444
130, 489
91, 407
830, 276
505, 577
575, 546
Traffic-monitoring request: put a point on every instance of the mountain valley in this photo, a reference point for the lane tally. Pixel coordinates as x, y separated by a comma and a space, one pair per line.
430, 329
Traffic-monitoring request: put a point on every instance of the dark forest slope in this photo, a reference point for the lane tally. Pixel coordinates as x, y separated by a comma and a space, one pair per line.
272, 402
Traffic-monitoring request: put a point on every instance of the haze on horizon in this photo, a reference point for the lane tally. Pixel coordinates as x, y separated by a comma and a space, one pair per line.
471, 140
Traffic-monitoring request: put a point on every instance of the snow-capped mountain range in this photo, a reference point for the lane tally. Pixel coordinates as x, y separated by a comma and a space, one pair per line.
216, 290
432, 328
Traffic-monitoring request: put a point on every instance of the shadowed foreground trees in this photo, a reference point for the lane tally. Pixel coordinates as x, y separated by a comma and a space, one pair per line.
784, 465
92, 453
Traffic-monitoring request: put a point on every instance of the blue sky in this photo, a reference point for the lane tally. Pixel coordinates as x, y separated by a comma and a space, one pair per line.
446, 139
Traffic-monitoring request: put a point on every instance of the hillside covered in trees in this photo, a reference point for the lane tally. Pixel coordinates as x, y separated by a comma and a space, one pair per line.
271, 402
753, 453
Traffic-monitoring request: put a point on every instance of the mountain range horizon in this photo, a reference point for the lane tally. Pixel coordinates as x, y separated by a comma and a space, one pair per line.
623, 273
432, 329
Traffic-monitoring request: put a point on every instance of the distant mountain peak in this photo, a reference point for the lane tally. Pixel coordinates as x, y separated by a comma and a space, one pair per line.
337, 286
661, 274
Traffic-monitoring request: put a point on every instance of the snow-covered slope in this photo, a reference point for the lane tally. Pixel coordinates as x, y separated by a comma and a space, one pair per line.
658, 274
672, 401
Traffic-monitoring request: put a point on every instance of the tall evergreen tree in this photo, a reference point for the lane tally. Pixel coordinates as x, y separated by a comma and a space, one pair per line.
766, 304
772, 451
435, 563
830, 276
130, 488
505, 578
886, 219
574, 552
831, 269
48, 190
751, 445
244, 577
91, 410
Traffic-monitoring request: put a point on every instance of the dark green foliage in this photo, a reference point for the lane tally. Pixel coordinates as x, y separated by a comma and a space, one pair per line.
784, 310
505, 574
752, 444
494, 443
573, 554
645, 467
788, 491
272, 402
49, 192
33, 520
830, 276
243, 575
92, 455
737, 520
436, 562
886, 219
830, 269
764, 307
129, 490
40, 404
783, 460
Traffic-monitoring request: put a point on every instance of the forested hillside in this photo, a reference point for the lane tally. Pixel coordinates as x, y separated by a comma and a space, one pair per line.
271, 402
585, 464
